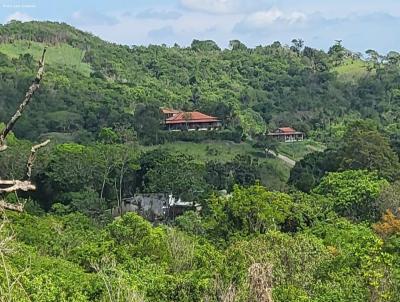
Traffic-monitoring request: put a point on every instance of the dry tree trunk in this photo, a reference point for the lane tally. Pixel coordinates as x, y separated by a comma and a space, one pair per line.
32, 157
16, 185
8, 186
28, 96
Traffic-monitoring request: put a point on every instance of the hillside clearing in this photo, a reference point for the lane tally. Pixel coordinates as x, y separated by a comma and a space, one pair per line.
274, 172
61, 55
352, 70
297, 150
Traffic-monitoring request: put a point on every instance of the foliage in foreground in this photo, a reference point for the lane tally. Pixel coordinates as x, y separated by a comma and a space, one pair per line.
303, 255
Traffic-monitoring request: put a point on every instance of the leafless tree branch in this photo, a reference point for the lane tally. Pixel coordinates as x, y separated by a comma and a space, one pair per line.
32, 157
28, 96
19, 207
9, 186
18, 185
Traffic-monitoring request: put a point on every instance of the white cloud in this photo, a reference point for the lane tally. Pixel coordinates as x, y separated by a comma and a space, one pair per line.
329, 9
214, 6
296, 17
19, 17
265, 25
358, 31
263, 19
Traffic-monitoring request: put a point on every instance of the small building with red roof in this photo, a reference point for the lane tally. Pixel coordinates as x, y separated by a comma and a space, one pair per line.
287, 135
190, 121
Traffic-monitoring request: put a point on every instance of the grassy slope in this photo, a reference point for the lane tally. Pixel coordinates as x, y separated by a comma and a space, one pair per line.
352, 70
298, 150
274, 173
62, 54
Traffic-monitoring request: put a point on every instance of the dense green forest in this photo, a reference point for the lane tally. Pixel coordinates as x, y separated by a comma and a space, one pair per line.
91, 84
327, 229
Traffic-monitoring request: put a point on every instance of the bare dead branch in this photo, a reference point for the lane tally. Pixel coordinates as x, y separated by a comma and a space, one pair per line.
11, 206
9, 186
28, 96
13, 186
7, 182
32, 157
17, 185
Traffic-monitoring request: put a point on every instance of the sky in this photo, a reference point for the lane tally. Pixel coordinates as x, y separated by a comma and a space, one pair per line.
360, 24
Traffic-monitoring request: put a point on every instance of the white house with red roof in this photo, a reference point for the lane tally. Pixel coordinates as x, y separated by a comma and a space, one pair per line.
190, 121
287, 135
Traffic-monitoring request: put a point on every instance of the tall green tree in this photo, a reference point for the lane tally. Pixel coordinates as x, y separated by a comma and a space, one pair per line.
147, 121
353, 193
368, 149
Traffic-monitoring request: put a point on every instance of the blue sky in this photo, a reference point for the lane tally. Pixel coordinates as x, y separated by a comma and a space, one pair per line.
361, 24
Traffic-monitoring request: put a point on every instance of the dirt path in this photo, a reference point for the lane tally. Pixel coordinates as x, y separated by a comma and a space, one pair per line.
284, 158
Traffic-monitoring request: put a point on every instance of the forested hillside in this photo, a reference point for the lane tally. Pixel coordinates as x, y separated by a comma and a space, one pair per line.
92, 84
325, 230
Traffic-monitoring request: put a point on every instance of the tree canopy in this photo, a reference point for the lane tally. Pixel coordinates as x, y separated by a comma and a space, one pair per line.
329, 231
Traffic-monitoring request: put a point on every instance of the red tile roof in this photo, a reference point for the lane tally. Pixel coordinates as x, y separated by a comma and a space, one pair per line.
286, 130
190, 117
